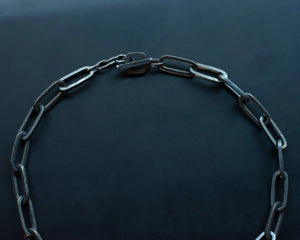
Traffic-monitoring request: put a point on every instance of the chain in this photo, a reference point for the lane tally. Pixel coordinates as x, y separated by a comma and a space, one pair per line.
138, 63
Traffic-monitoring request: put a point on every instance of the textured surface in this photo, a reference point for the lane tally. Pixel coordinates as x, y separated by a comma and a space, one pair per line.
159, 156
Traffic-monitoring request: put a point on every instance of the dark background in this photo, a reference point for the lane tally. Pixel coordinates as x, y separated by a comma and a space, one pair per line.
158, 156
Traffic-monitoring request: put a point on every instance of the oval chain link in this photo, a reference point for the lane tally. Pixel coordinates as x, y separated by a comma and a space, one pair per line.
277, 131
277, 177
264, 113
16, 150
56, 90
274, 221
20, 179
175, 60
30, 117
53, 88
22, 207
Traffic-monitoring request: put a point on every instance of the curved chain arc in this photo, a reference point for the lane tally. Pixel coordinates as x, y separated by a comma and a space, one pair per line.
57, 90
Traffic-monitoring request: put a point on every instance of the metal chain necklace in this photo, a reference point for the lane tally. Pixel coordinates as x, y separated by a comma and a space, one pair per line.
139, 63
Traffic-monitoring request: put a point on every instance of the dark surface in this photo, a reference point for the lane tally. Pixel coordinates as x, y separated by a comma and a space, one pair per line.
159, 156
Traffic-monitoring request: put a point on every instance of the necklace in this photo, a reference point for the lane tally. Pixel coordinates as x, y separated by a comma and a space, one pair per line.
138, 63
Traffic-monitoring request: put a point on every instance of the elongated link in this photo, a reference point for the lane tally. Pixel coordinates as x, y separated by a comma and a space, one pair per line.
30, 118
274, 218
218, 74
16, 151
20, 179
277, 131
32, 220
88, 71
264, 113
235, 89
138, 63
274, 185
180, 72
52, 89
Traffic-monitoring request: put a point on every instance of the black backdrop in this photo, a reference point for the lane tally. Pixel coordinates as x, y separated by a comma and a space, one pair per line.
159, 156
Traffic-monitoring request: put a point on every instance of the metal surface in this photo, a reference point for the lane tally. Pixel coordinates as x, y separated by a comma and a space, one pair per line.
235, 89
218, 77
274, 185
277, 131
139, 63
30, 117
262, 235
274, 218
53, 88
87, 70
177, 71
264, 113
280, 157
135, 63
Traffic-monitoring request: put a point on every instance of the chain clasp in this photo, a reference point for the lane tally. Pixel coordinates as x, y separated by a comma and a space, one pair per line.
135, 63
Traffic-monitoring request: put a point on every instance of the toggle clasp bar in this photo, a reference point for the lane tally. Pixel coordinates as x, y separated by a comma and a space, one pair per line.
135, 63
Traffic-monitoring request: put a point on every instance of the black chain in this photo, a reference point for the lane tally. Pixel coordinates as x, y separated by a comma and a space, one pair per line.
137, 63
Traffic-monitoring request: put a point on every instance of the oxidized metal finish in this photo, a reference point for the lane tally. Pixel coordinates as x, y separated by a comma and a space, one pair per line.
88, 70
53, 88
277, 131
218, 77
30, 118
135, 63
235, 89
139, 63
264, 113
180, 72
